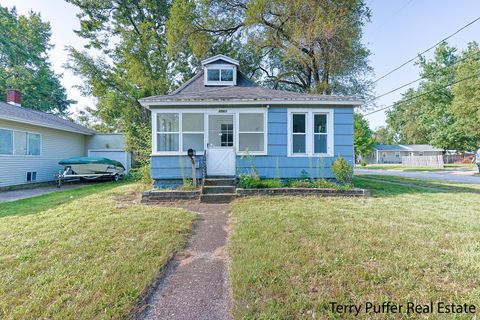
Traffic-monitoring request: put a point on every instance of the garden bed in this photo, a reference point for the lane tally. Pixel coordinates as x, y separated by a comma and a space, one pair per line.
331, 192
170, 195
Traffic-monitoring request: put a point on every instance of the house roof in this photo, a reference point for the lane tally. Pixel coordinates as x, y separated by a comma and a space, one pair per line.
406, 147
195, 92
23, 115
220, 57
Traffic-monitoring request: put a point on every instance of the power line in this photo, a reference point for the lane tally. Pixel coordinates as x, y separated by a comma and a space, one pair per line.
416, 80
422, 94
425, 51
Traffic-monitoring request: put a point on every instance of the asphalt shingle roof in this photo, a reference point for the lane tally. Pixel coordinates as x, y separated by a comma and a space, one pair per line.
406, 147
30, 116
195, 90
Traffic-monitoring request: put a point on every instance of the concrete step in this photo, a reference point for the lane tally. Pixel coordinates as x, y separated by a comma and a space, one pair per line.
220, 181
217, 197
218, 189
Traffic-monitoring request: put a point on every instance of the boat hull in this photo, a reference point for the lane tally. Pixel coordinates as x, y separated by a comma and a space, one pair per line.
96, 168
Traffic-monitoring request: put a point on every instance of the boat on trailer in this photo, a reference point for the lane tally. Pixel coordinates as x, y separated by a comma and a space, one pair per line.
90, 168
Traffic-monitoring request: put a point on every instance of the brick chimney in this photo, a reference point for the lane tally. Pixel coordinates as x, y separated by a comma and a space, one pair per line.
14, 97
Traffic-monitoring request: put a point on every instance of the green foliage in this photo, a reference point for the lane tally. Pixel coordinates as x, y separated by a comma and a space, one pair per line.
383, 135
300, 45
250, 158
342, 170
428, 115
362, 136
24, 64
247, 181
363, 163
141, 174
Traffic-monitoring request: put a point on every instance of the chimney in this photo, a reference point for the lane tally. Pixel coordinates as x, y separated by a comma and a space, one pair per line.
14, 97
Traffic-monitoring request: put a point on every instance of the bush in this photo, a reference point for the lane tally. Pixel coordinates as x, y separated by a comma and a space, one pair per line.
187, 185
300, 184
248, 181
141, 174
363, 163
342, 170
324, 184
269, 183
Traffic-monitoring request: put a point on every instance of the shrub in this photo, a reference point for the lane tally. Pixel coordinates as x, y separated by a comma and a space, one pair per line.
363, 163
342, 170
248, 181
187, 185
324, 184
269, 183
141, 174
300, 184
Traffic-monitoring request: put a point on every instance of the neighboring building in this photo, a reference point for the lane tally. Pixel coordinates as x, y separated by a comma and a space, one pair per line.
384, 153
32, 143
221, 111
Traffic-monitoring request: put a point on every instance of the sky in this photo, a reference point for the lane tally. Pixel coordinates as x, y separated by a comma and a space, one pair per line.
398, 31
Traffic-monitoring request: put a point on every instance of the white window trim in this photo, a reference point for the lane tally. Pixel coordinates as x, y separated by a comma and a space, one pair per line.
220, 83
31, 172
309, 147
211, 111
13, 154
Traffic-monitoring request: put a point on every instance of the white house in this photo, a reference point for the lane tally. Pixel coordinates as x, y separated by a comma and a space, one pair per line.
32, 143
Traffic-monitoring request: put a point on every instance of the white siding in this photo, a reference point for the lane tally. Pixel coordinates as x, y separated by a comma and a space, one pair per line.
55, 146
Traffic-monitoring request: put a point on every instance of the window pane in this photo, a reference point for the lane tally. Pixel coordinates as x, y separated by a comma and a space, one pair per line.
167, 122
213, 75
299, 143
320, 125
33, 144
167, 142
193, 141
227, 75
226, 139
192, 122
251, 122
6, 142
299, 123
320, 143
251, 141
20, 144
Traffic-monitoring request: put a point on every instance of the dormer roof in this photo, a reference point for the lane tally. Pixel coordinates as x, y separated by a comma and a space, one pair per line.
222, 58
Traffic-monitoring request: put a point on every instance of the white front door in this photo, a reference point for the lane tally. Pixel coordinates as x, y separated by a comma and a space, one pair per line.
221, 145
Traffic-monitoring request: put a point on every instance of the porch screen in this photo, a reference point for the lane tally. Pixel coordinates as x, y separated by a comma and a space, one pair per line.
192, 131
168, 132
251, 132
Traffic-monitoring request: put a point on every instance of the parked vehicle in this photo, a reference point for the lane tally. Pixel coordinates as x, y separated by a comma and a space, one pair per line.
90, 168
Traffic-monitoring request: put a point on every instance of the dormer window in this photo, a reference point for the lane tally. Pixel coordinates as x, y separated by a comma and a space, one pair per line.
220, 71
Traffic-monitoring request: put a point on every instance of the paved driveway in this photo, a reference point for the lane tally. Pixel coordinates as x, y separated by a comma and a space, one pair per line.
461, 176
12, 195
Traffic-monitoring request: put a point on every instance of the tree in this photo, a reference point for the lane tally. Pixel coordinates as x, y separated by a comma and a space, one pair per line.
362, 136
126, 61
425, 115
466, 95
303, 45
383, 135
24, 63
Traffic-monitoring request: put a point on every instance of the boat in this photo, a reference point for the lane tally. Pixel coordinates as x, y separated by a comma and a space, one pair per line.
93, 166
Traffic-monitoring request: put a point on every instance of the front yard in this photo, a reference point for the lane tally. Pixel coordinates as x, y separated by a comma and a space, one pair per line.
85, 253
292, 256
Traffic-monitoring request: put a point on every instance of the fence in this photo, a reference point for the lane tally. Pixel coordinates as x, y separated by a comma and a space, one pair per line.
423, 161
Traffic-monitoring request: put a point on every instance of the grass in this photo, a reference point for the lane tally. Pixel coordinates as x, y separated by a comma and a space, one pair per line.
291, 256
447, 167
87, 253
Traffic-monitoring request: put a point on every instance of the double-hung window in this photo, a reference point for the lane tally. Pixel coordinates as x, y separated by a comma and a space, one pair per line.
178, 132
251, 132
6, 142
19, 143
310, 132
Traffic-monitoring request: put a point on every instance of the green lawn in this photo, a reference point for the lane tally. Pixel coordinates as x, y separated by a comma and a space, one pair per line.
83, 254
291, 256
447, 167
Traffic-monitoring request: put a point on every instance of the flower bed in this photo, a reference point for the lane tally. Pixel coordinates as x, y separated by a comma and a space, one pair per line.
354, 192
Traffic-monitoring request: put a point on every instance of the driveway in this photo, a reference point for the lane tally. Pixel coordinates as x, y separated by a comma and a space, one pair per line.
13, 195
460, 176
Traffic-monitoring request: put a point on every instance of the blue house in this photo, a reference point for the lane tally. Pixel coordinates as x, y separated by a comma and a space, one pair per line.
223, 116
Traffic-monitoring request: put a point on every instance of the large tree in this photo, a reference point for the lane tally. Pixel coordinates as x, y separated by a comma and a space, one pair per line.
24, 64
466, 95
303, 45
425, 115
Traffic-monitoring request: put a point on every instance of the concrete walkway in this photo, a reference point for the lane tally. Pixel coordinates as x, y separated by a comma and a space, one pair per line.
194, 284
460, 176
13, 195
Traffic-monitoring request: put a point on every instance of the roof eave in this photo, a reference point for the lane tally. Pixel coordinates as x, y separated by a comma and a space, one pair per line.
205, 102
20, 120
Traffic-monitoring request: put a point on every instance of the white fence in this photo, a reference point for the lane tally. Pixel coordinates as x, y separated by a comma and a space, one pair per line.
423, 161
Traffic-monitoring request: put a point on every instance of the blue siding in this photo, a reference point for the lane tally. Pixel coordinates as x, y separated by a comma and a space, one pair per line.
276, 163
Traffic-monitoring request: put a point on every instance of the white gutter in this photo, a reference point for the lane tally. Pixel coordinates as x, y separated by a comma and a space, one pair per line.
149, 104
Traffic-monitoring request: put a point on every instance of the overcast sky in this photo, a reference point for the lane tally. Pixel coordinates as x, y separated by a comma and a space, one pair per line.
398, 31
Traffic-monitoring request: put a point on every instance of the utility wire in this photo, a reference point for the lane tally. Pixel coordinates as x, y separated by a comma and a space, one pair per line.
425, 51
416, 80
422, 94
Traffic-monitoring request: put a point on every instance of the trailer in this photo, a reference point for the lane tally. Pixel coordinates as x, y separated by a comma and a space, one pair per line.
68, 173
